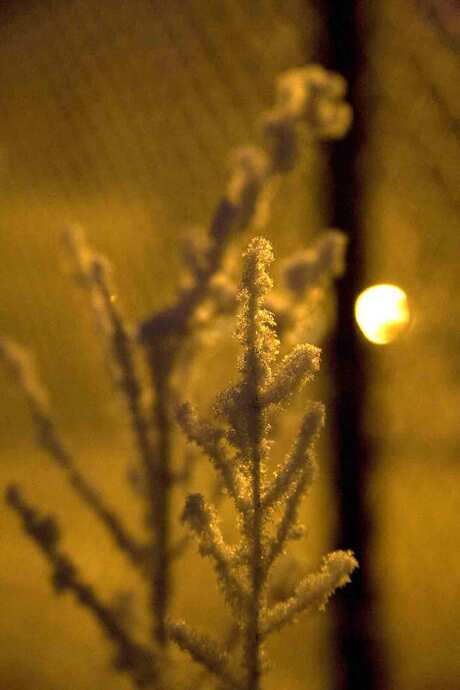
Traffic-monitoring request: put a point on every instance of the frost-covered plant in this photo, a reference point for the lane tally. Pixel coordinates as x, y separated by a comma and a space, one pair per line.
266, 504
146, 362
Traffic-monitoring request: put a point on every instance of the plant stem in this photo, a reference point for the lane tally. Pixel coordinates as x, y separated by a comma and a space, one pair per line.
253, 639
253, 631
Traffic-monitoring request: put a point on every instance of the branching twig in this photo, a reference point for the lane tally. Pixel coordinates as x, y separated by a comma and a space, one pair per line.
244, 408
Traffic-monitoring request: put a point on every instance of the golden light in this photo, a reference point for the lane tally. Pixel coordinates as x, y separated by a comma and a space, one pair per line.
382, 313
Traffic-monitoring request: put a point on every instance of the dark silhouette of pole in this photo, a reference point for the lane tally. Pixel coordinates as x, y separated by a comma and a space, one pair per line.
359, 659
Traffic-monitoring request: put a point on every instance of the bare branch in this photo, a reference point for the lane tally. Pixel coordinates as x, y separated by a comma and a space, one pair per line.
131, 657
20, 365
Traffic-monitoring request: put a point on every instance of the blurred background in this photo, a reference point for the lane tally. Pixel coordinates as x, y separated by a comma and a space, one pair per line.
121, 116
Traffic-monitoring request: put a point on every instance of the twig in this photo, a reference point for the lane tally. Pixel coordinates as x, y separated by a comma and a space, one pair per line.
132, 657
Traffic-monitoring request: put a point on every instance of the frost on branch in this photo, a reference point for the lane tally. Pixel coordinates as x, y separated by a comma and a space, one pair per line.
311, 96
210, 439
202, 519
204, 651
313, 591
311, 267
310, 99
299, 461
94, 274
243, 412
297, 368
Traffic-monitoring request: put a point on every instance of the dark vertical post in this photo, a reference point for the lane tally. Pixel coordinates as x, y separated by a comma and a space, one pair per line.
359, 660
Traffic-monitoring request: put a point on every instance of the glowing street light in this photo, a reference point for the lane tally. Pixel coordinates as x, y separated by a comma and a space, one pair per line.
382, 313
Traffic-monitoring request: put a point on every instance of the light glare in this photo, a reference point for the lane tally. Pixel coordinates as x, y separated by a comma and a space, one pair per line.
382, 313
